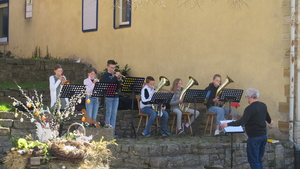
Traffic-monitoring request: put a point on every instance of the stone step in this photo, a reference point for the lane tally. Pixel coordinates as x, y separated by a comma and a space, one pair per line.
6, 115
4, 131
6, 122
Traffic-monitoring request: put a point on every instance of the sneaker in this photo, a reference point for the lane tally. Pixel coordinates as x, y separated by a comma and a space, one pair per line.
146, 135
180, 131
217, 132
166, 134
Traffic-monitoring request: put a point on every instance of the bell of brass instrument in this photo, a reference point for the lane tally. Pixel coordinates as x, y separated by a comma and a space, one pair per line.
223, 85
163, 82
184, 106
65, 81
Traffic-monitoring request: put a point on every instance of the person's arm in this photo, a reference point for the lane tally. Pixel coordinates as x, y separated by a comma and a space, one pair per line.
52, 84
174, 101
246, 116
89, 85
145, 96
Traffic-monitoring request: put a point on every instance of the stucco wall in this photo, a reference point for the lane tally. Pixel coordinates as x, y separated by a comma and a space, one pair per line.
249, 43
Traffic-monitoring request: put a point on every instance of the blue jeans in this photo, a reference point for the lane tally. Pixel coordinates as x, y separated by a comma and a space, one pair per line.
112, 104
255, 151
92, 108
221, 112
153, 114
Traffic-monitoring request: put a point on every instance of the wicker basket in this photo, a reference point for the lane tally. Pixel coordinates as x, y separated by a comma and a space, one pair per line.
76, 151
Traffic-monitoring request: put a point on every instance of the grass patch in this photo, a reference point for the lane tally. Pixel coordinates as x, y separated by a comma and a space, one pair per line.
6, 107
28, 85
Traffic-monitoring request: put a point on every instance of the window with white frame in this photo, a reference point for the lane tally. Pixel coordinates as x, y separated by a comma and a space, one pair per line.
122, 13
3, 21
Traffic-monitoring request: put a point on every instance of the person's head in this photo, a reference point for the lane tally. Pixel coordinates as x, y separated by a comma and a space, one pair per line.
252, 94
92, 73
177, 84
217, 80
150, 81
58, 70
111, 66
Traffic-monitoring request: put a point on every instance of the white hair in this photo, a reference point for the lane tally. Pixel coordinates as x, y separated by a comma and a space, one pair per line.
252, 93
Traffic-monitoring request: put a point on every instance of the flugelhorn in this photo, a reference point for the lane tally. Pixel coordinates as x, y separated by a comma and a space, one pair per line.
64, 80
220, 89
184, 107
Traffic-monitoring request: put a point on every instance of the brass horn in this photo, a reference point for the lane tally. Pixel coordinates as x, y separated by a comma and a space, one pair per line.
163, 82
183, 106
223, 85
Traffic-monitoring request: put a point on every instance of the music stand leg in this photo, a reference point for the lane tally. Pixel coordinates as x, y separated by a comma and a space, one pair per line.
231, 150
131, 121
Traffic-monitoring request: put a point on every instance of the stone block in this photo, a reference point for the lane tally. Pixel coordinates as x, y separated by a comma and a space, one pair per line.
286, 89
4, 131
22, 132
6, 115
23, 125
283, 125
107, 133
283, 107
6, 122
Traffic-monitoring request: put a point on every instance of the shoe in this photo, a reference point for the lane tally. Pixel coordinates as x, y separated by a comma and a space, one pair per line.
146, 135
187, 125
217, 132
180, 131
165, 133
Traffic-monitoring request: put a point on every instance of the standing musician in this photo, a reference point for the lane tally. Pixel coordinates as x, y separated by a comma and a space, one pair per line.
112, 103
146, 108
210, 105
91, 103
55, 83
177, 89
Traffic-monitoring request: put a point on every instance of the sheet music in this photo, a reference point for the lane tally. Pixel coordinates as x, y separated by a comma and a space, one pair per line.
232, 129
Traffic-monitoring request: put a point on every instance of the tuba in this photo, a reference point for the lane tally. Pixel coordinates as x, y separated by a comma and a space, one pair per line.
183, 106
220, 89
163, 82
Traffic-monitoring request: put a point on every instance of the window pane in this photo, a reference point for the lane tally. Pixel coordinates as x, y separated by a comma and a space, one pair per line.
3, 22
125, 11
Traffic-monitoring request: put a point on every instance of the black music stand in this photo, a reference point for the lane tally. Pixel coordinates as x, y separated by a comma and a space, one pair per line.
160, 99
196, 96
232, 130
104, 89
231, 95
132, 85
69, 90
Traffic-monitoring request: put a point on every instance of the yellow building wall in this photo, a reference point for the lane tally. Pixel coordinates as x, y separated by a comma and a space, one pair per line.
175, 40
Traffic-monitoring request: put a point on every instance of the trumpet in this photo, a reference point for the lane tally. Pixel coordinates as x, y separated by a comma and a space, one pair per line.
120, 76
64, 80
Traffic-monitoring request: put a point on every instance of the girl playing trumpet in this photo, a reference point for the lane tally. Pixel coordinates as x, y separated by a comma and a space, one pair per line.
55, 83
91, 103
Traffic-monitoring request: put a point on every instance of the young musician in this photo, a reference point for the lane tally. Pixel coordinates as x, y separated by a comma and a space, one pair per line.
210, 105
177, 89
146, 108
91, 103
112, 103
55, 83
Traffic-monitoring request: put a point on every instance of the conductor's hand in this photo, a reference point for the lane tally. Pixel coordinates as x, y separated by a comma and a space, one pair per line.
224, 125
180, 101
272, 122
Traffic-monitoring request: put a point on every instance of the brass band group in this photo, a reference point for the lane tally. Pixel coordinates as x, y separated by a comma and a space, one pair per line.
254, 117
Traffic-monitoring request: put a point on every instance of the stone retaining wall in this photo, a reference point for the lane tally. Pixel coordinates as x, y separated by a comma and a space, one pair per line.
29, 70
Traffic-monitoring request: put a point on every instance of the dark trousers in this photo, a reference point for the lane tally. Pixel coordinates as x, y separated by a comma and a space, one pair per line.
255, 151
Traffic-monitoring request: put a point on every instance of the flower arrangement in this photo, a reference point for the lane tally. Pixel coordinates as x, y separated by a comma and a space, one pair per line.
34, 110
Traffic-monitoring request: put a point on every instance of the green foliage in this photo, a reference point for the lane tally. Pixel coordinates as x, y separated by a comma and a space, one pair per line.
14, 140
6, 107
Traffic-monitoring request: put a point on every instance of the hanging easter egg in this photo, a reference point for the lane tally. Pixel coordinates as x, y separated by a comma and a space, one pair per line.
21, 119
